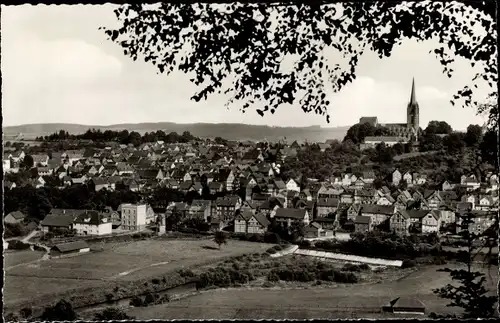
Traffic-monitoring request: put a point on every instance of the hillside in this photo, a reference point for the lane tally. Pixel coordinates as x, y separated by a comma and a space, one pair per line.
231, 131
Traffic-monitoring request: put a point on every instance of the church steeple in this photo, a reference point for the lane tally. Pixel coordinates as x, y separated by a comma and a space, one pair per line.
412, 110
413, 99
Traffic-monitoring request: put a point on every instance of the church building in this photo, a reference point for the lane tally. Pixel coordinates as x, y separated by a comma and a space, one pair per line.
408, 130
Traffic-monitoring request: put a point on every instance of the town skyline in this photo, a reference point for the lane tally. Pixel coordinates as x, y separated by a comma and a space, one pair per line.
65, 71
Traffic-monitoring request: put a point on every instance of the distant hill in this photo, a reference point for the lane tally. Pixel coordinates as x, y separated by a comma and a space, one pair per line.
230, 131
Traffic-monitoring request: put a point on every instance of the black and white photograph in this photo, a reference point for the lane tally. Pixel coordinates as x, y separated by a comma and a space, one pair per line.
254, 160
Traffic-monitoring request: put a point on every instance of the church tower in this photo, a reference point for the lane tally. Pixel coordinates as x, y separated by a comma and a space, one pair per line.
412, 111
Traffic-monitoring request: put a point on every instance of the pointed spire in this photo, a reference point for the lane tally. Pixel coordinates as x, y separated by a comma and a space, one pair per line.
413, 98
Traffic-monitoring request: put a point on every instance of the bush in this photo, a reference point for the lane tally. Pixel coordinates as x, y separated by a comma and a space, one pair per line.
408, 263
18, 245
351, 267
273, 276
186, 273
439, 261
62, 311
305, 244
271, 237
271, 251
11, 317
14, 230
277, 248
346, 277
267, 284
364, 266
136, 301
111, 314
26, 312
150, 299
155, 281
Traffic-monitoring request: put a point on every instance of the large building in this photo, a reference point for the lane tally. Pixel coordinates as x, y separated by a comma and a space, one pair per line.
134, 217
406, 130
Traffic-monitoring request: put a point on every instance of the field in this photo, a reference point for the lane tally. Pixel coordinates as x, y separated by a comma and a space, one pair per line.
356, 301
14, 258
128, 261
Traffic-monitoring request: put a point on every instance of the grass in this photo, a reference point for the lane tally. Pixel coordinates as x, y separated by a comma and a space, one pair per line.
354, 301
104, 268
14, 258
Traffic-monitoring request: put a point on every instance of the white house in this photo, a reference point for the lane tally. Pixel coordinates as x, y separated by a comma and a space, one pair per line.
430, 222
372, 142
92, 223
291, 185
247, 222
287, 216
6, 165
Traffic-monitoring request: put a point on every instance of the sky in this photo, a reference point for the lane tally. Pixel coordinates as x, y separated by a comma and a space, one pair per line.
57, 67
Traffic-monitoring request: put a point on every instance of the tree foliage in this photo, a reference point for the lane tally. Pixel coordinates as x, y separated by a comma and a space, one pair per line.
470, 294
358, 132
438, 128
240, 48
220, 238
473, 135
62, 311
123, 137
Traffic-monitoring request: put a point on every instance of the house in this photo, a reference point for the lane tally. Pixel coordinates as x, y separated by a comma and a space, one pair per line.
363, 223
326, 223
291, 185
44, 171
14, 217
69, 248
419, 179
405, 305
487, 203
378, 213
53, 221
93, 223
353, 211
247, 222
385, 200
226, 207
448, 186
42, 160
408, 178
470, 182
315, 230
215, 187
400, 222
431, 222
100, 183
305, 195
216, 225
200, 209
133, 216
396, 177
287, 216
368, 177
326, 206
9, 185
258, 199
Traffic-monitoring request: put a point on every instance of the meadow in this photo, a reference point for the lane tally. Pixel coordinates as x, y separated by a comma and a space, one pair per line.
116, 263
323, 302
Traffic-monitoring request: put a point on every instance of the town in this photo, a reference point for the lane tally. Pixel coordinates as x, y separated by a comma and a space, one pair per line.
67, 194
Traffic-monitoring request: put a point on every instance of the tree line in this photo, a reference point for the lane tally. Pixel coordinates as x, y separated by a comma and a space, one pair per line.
123, 137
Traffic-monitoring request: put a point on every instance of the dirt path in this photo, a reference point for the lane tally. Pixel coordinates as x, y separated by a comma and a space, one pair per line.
137, 269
